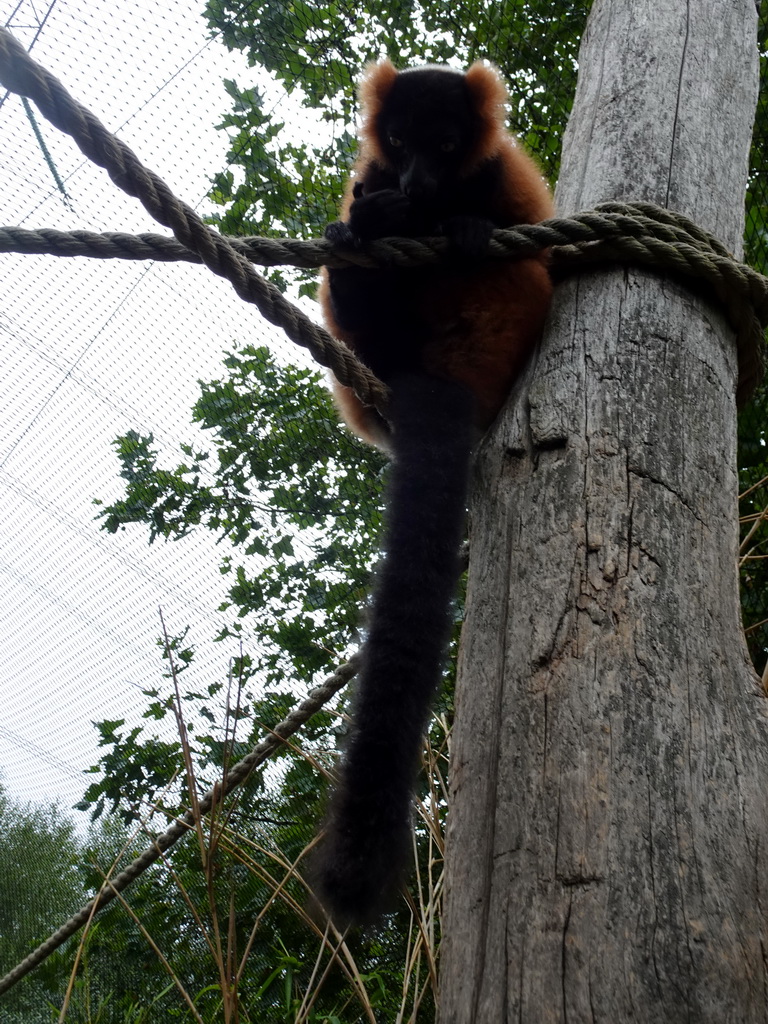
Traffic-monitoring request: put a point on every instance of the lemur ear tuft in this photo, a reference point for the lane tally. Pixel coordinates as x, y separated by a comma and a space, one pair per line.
378, 79
489, 97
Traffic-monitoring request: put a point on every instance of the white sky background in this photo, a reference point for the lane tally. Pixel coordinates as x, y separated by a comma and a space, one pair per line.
88, 350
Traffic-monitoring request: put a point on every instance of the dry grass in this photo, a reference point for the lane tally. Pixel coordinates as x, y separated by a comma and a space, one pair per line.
220, 841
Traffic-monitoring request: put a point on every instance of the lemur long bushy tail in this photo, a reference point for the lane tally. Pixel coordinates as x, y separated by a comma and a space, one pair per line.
367, 843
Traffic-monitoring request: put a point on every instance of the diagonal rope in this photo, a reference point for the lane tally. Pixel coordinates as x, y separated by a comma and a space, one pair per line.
21, 74
236, 775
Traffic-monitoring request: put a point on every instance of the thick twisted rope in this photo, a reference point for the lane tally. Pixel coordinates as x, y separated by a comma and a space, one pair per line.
21, 74
635, 233
184, 825
638, 234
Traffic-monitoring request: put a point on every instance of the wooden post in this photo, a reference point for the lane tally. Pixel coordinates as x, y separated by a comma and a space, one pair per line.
607, 854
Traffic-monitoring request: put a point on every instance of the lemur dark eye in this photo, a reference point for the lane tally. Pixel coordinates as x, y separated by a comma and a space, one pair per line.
395, 142
448, 146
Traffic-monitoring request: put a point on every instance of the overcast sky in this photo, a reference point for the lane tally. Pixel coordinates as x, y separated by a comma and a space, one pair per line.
88, 350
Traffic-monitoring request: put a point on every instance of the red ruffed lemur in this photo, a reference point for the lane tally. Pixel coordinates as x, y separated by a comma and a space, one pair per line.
449, 340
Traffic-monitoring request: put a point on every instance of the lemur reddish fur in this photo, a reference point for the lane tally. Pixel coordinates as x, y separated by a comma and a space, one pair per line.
482, 323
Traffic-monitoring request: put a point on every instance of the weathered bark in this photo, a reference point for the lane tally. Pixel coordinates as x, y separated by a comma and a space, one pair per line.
607, 855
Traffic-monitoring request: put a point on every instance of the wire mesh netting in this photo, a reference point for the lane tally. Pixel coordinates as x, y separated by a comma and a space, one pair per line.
142, 402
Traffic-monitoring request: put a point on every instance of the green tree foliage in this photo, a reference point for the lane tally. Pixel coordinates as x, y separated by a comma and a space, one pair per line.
40, 885
277, 181
294, 495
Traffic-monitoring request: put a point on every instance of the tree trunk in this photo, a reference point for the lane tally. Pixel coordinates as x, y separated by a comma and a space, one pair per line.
607, 853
